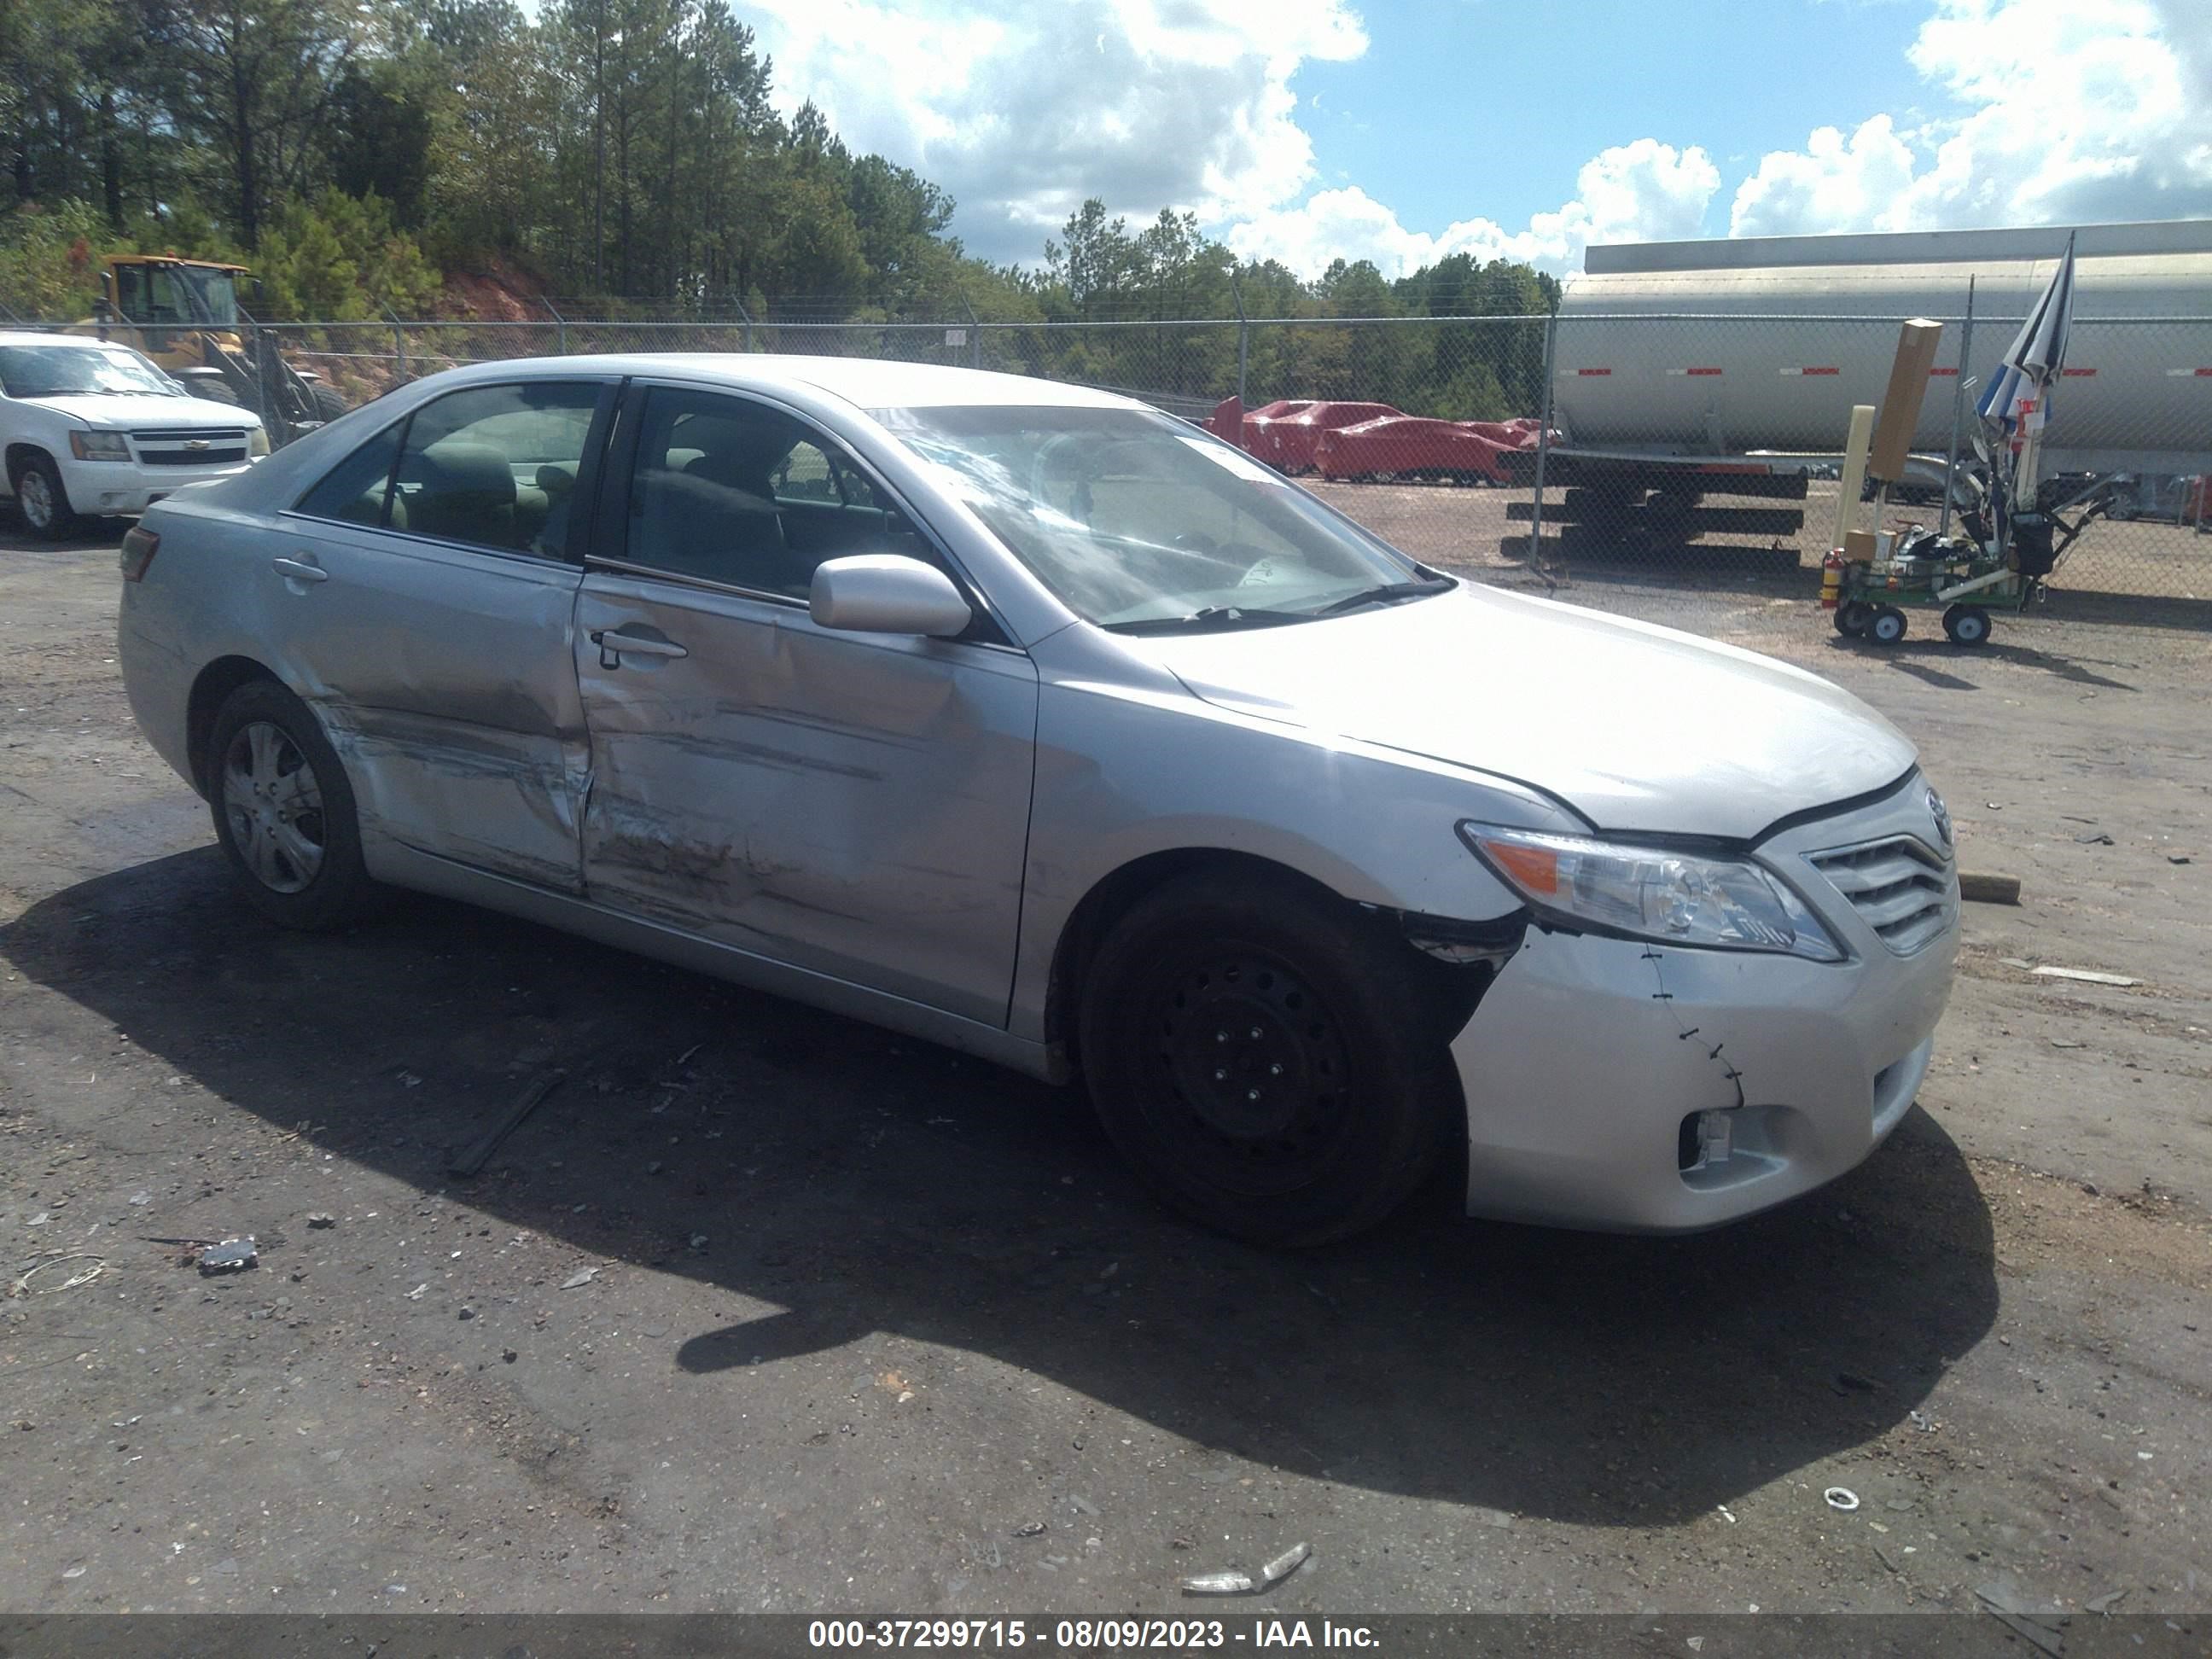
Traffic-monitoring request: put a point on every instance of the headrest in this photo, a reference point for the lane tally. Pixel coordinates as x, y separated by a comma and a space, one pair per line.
465, 468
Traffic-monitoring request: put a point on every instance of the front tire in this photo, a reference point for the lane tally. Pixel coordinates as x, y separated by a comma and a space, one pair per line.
284, 811
1271, 1062
1888, 626
42, 501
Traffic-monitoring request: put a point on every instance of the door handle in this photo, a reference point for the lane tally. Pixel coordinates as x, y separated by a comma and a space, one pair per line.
615, 645
299, 571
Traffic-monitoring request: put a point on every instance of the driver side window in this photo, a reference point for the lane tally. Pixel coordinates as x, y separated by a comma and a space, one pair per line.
740, 493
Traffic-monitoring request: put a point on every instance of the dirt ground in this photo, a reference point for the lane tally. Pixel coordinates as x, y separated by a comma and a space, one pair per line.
763, 1310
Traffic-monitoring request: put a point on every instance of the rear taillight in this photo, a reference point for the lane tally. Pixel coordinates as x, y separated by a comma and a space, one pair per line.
139, 546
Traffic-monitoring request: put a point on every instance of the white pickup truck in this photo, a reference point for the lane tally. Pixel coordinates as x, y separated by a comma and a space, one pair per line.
88, 428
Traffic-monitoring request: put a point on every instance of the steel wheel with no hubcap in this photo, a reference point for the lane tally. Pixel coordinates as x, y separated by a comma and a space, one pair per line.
1250, 1074
274, 805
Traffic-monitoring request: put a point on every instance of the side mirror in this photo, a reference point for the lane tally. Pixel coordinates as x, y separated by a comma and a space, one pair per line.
886, 593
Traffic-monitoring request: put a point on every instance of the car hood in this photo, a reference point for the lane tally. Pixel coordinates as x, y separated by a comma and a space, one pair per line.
1636, 727
149, 414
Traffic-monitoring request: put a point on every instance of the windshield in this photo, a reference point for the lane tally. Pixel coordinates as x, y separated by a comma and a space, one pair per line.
1139, 521
216, 292
52, 371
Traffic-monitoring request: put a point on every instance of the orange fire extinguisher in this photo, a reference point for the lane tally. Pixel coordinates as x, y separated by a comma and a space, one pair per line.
1831, 581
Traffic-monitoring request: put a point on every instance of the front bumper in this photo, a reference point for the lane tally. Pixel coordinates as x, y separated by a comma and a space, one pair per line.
1587, 1056
126, 488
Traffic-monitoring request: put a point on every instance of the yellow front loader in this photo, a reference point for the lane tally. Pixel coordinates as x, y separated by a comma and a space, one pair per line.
184, 313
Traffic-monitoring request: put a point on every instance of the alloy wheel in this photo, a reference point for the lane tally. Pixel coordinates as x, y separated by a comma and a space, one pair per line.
274, 807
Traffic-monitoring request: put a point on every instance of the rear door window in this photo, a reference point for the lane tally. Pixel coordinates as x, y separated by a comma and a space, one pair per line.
492, 466
353, 490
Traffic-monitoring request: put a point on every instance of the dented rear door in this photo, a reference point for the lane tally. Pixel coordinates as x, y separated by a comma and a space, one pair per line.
853, 804
438, 663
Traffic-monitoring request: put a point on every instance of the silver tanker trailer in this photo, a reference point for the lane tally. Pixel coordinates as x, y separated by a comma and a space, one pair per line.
1689, 369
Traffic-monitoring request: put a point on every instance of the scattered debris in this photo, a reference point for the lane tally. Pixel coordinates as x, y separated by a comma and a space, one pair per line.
466, 1314
1029, 1530
2086, 975
472, 1160
2095, 839
698, 1241
1841, 1497
507, 1356
582, 1276
1922, 1421
1726, 1513
21, 1285
416, 1295
1882, 1556
1984, 889
228, 1255
139, 1199
318, 1220
2172, 858
685, 1059
2067, 1042
2107, 1601
1243, 1583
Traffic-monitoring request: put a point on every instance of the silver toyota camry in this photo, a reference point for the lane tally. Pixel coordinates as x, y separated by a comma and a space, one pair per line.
1030, 720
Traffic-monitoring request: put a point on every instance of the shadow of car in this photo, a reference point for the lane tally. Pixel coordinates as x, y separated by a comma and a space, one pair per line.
861, 1182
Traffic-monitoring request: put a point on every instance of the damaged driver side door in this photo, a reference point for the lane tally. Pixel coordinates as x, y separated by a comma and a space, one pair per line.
852, 804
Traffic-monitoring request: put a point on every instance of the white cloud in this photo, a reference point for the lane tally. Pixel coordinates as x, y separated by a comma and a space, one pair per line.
1643, 192
2077, 113
1833, 183
1021, 110
2067, 110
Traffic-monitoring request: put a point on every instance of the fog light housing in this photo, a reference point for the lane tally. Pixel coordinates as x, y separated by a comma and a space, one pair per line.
1706, 1138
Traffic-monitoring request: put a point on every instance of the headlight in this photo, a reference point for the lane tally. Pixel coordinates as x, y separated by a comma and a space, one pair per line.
1651, 893
257, 442
99, 447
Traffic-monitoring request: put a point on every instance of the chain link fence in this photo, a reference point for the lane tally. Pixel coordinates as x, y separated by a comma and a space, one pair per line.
1688, 463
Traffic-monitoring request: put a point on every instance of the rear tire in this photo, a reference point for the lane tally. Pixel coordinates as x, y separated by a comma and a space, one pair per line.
1852, 618
1887, 627
284, 811
1263, 1058
41, 499
328, 404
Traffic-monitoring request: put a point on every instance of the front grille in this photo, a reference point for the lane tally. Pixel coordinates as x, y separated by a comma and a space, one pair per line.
210, 456
172, 445
1900, 884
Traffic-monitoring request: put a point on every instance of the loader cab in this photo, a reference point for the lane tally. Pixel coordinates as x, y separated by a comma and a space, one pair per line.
168, 300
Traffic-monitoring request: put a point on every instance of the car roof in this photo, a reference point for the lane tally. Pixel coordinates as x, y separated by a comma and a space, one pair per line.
27, 337
866, 383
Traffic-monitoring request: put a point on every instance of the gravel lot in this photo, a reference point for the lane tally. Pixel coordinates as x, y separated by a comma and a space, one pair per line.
763, 1310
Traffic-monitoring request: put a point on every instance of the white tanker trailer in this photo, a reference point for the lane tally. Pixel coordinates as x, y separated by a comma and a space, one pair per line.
1688, 369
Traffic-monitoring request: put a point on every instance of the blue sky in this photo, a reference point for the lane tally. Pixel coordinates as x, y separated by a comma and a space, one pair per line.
1401, 130
1502, 102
